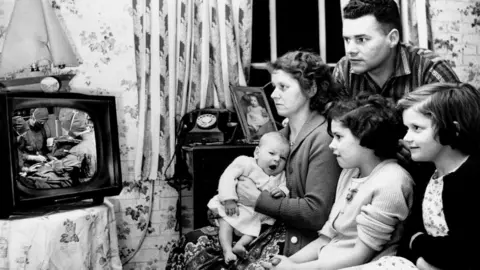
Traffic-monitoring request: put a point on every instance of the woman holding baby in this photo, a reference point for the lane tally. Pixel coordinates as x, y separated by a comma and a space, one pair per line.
303, 88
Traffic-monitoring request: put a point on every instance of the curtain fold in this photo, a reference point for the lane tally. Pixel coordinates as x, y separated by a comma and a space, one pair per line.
188, 53
157, 55
416, 23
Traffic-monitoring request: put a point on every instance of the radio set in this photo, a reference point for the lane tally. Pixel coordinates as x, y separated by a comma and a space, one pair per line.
209, 126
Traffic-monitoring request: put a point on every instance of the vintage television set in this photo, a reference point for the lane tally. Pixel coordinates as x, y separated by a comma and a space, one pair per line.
19, 190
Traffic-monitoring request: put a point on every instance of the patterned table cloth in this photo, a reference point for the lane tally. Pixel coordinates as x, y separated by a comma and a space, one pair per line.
80, 239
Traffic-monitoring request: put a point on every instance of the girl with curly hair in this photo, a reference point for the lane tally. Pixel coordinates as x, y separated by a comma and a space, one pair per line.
374, 194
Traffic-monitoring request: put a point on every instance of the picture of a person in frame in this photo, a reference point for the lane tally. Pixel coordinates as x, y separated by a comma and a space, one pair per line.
257, 117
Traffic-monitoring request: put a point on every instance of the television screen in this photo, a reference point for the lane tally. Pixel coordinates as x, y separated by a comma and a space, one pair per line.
58, 148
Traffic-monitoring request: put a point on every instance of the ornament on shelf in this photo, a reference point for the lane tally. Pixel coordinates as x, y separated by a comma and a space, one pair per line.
49, 84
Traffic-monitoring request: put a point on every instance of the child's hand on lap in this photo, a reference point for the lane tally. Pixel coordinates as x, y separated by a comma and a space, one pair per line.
231, 207
277, 193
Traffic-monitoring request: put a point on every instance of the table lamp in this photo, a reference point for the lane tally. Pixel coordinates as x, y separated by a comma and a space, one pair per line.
35, 41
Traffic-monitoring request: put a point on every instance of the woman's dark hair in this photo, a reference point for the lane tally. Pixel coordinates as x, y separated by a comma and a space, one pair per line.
373, 119
313, 75
385, 11
446, 104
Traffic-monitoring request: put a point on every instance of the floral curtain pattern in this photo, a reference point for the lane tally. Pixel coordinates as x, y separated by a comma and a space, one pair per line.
155, 80
188, 53
194, 67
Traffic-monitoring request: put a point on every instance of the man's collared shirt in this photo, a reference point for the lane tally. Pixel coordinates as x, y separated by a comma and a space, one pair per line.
413, 67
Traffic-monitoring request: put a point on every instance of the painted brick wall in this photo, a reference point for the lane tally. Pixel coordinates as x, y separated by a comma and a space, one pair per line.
456, 35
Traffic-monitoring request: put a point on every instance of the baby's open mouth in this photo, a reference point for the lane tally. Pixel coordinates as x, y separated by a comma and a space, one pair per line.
272, 167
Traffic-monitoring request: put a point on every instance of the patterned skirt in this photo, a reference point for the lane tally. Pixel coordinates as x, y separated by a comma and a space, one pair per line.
200, 249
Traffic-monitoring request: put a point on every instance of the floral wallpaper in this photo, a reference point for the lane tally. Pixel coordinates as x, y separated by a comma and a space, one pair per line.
102, 33
106, 35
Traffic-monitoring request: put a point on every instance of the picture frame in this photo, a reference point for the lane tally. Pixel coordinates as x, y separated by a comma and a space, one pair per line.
253, 111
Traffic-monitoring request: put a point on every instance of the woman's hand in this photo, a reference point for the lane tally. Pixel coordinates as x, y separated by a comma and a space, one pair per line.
279, 263
247, 191
424, 265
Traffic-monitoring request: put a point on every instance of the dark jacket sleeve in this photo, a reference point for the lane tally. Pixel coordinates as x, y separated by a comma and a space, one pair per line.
421, 173
456, 250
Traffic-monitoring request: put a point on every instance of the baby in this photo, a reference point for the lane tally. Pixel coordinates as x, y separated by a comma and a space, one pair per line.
256, 115
266, 170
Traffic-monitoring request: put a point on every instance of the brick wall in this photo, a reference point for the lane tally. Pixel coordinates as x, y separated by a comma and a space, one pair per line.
455, 28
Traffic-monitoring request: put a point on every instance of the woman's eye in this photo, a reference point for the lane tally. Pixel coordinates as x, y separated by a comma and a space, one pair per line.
279, 87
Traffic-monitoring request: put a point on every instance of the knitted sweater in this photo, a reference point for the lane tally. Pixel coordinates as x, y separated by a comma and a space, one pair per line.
312, 174
374, 213
247, 221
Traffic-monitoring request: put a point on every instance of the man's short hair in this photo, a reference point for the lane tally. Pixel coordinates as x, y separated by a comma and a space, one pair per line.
385, 11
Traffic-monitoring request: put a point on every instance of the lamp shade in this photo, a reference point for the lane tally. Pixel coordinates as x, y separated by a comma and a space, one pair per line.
35, 37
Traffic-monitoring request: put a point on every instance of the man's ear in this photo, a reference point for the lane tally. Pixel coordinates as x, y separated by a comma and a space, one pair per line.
394, 37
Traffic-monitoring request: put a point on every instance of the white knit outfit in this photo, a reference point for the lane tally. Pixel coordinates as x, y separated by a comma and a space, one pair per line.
374, 213
248, 221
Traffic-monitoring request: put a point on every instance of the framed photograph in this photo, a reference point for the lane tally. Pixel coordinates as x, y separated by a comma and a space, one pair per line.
253, 112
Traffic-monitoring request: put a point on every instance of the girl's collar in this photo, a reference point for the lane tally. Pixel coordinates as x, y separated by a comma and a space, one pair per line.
437, 175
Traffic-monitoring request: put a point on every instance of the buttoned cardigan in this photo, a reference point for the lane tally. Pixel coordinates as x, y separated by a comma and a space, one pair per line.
459, 248
312, 174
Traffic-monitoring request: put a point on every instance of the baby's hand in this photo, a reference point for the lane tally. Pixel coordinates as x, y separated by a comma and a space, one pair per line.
231, 207
277, 193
